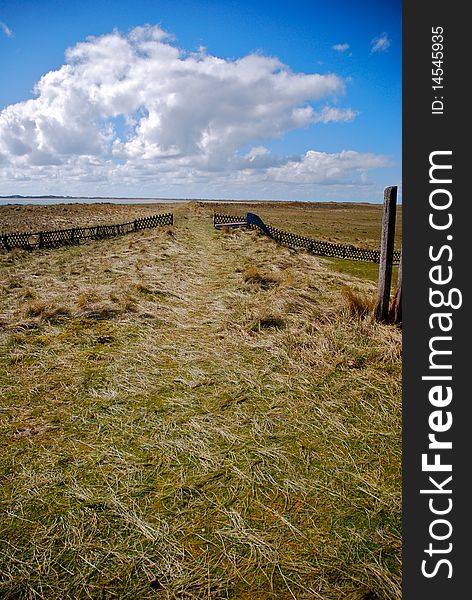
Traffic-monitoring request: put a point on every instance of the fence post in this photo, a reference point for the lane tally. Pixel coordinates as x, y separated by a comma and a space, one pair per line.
6, 243
396, 308
386, 253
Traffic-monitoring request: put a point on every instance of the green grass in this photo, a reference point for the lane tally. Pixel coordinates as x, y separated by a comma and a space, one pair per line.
360, 269
189, 413
356, 268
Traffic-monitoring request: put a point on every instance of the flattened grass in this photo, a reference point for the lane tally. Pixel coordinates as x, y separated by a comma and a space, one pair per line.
196, 415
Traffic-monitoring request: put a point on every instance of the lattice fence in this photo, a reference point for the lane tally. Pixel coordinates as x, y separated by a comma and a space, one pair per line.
314, 246
220, 219
77, 235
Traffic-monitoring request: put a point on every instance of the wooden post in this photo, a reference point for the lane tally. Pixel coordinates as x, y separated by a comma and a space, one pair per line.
386, 253
396, 308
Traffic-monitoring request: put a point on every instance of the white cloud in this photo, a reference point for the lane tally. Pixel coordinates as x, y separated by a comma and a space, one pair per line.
330, 114
347, 166
6, 30
341, 47
381, 43
134, 109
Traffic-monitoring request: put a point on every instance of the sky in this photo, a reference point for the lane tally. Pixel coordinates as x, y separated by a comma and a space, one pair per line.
201, 99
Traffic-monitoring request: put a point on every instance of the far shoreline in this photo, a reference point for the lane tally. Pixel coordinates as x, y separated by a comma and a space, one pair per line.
46, 200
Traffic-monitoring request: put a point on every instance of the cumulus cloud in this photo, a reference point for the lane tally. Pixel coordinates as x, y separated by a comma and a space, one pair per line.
6, 30
381, 43
341, 47
132, 108
347, 166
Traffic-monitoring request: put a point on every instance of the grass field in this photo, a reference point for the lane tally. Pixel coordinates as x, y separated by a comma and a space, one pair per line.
188, 413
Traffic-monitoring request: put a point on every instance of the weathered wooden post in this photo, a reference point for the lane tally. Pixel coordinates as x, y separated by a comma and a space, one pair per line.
386, 253
396, 308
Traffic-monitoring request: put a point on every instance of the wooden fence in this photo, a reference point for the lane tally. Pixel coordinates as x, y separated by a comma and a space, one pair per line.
299, 241
76, 235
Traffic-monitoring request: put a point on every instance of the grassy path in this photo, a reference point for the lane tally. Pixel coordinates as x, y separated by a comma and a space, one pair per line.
189, 413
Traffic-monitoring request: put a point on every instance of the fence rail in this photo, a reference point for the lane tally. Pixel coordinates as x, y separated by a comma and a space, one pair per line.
300, 241
76, 235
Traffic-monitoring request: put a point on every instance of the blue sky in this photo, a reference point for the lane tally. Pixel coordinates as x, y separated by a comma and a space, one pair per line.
210, 99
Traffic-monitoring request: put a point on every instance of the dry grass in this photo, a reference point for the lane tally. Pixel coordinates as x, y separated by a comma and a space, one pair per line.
195, 415
31, 217
341, 223
263, 280
358, 304
345, 223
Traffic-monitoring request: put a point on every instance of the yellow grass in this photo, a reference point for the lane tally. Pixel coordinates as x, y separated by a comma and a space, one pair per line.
189, 413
